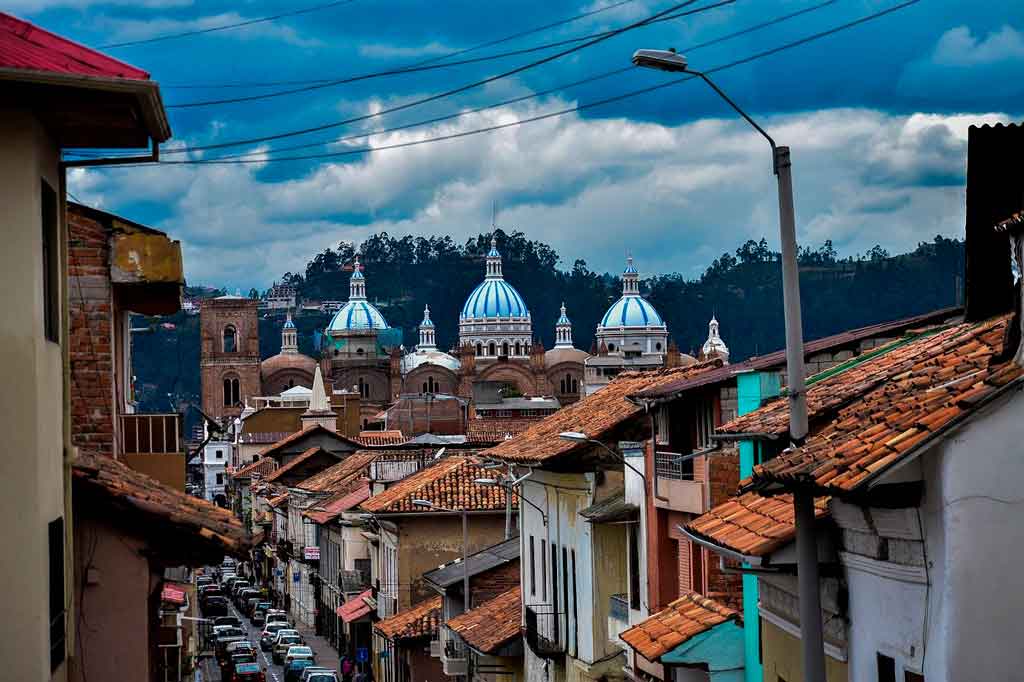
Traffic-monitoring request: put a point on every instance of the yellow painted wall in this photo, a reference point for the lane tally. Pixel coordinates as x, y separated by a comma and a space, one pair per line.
783, 661
32, 481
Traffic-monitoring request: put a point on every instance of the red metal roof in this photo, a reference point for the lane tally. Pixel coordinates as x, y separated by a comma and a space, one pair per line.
26, 46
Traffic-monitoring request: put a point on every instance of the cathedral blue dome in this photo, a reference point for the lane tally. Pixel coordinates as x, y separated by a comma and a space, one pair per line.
494, 298
632, 310
357, 315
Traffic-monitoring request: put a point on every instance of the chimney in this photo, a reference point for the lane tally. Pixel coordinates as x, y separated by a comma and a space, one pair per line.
994, 191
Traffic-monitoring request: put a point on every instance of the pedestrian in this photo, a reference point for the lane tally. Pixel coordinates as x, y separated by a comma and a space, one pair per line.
346, 669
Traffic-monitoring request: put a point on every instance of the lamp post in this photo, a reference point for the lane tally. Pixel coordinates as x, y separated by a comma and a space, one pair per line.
465, 545
580, 437
508, 484
803, 501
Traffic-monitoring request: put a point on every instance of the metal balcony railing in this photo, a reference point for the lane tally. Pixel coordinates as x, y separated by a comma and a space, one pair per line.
668, 466
544, 630
151, 434
395, 467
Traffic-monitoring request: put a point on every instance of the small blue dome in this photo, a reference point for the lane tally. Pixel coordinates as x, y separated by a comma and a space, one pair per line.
494, 298
632, 311
357, 315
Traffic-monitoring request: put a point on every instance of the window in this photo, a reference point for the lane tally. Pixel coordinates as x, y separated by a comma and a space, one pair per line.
634, 566
543, 570
565, 588
479, 349
504, 349
51, 263
657, 346
220, 479
562, 385
231, 393
575, 386
518, 348
230, 340
912, 677
575, 612
491, 349
611, 346
219, 454
533, 570
55, 532
886, 668
554, 581
364, 388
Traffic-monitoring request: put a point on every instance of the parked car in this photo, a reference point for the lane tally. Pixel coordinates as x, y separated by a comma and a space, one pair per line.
227, 671
234, 621
298, 651
293, 671
215, 606
241, 646
247, 672
221, 651
315, 671
283, 642
249, 605
242, 595
203, 580
259, 612
269, 634
238, 586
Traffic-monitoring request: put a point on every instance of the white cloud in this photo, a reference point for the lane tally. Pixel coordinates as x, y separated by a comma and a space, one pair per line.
674, 196
959, 47
387, 51
140, 29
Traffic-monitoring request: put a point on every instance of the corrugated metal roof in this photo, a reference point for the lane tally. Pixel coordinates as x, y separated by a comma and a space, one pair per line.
450, 574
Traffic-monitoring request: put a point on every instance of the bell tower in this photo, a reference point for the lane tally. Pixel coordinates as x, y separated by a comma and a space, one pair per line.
229, 360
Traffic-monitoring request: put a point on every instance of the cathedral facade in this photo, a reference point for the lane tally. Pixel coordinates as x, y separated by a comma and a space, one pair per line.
496, 354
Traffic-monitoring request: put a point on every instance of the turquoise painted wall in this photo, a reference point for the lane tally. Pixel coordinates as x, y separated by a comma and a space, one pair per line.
751, 389
721, 648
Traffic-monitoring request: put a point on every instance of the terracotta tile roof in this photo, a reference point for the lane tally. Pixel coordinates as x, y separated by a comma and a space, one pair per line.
260, 468
682, 620
494, 431
886, 407
336, 477
277, 500
355, 608
493, 624
778, 358
448, 483
162, 506
282, 470
419, 621
355, 494
291, 438
26, 46
752, 525
595, 415
391, 437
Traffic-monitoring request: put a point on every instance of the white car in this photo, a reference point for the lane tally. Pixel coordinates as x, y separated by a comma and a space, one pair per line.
298, 652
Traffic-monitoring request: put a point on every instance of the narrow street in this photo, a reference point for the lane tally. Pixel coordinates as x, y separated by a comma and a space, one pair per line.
325, 654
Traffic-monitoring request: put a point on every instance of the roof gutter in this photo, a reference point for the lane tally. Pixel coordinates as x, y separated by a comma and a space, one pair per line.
728, 437
719, 549
154, 157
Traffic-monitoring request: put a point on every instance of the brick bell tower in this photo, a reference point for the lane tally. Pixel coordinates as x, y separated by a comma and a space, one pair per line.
229, 361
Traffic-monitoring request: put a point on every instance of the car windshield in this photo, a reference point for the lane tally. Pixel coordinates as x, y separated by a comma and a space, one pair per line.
322, 677
230, 632
289, 639
300, 651
247, 668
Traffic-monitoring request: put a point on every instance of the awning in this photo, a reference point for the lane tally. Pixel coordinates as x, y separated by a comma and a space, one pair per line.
355, 608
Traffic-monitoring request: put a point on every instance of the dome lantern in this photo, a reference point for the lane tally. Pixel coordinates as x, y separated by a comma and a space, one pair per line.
357, 284
427, 339
563, 330
715, 347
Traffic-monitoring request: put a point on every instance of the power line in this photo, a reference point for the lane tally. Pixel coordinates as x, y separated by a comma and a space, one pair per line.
441, 95
226, 27
538, 94
416, 68
430, 60
562, 112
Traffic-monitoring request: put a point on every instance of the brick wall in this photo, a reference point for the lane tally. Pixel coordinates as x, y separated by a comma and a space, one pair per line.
490, 584
90, 336
723, 477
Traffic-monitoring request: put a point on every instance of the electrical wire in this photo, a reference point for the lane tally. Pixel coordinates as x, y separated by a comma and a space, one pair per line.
534, 95
226, 27
440, 95
562, 112
417, 68
430, 60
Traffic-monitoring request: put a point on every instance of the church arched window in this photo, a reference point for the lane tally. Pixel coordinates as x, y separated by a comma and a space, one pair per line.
230, 339
562, 386
504, 349
518, 348
425, 387
231, 392
364, 388
479, 349
575, 386
492, 349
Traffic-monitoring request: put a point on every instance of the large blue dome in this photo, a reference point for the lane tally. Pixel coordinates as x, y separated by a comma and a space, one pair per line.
632, 310
357, 315
494, 298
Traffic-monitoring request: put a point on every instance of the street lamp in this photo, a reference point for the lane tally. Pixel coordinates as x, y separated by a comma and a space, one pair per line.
803, 501
465, 545
580, 437
508, 485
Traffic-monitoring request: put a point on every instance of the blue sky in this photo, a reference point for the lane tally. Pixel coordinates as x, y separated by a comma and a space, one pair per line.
876, 117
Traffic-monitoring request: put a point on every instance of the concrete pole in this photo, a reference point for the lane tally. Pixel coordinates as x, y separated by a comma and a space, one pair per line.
465, 562
811, 635
508, 504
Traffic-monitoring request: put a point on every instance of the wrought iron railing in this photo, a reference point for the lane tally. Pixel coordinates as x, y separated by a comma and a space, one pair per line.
545, 628
670, 466
151, 434
394, 467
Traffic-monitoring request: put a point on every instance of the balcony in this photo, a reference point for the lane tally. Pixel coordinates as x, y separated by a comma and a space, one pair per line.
543, 627
453, 653
679, 485
395, 467
152, 444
